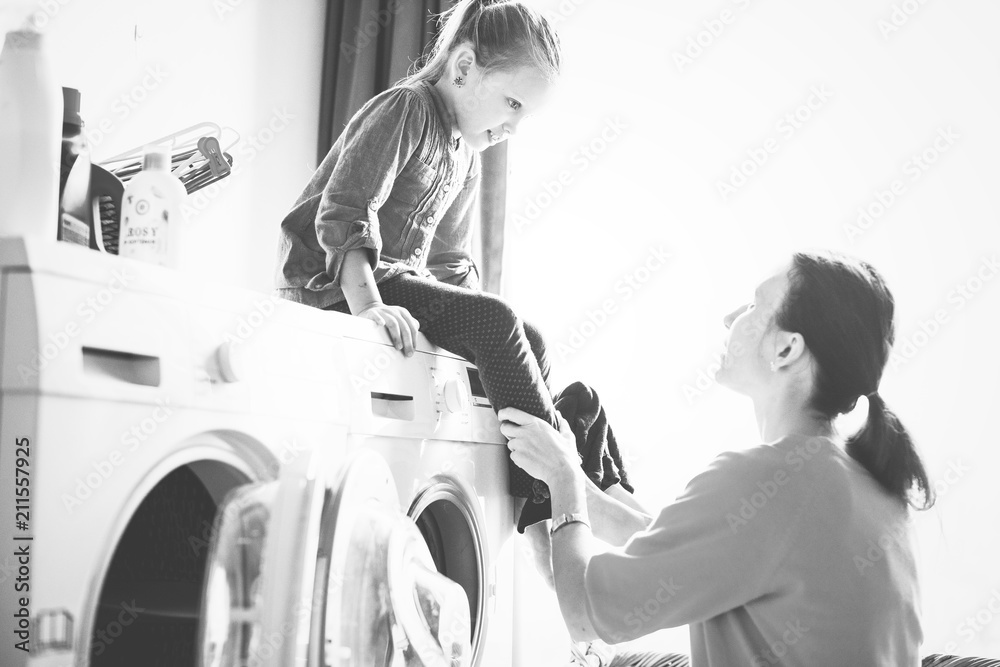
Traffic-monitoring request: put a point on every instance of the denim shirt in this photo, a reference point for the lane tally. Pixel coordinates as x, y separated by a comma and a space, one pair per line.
395, 183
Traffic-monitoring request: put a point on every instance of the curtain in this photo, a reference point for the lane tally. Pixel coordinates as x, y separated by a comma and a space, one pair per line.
369, 46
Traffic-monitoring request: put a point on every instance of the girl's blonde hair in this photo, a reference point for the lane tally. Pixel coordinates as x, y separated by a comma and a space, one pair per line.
504, 34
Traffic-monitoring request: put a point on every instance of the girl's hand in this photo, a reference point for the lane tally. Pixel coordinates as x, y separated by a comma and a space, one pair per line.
401, 325
537, 448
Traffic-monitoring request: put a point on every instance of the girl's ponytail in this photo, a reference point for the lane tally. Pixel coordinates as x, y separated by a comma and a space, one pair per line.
504, 34
886, 451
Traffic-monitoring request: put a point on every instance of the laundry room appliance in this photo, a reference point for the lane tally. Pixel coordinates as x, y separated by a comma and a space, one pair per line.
428, 416
198, 489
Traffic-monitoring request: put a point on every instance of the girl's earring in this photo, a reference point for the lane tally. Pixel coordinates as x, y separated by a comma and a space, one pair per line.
459, 81
773, 369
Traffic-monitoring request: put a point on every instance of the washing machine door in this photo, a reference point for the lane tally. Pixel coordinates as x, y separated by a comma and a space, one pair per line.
321, 568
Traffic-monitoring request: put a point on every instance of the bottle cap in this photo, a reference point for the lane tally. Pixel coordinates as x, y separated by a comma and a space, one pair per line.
71, 107
156, 157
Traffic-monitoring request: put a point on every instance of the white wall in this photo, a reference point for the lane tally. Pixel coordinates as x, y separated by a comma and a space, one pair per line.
147, 69
671, 134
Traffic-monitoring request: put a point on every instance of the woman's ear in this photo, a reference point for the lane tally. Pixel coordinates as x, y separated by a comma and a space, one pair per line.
789, 348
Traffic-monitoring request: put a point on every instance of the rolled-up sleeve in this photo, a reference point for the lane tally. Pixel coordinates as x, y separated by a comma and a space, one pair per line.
698, 559
450, 259
378, 142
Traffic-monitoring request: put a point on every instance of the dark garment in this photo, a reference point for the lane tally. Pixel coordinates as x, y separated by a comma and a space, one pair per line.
482, 328
595, 442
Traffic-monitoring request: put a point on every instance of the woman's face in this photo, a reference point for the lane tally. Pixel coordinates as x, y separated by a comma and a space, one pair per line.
750, 346
490, 107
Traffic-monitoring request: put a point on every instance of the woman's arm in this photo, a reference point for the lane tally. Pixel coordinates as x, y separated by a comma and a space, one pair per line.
572, 547
613, 521
548, 455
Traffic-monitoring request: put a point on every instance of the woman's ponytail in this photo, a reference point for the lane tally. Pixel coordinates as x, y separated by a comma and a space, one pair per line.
844, 312
504, 34
886, 451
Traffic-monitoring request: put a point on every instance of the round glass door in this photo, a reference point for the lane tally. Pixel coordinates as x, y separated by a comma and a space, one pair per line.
384, 603
321, 568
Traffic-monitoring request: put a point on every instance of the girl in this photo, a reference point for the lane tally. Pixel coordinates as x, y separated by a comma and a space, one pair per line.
383, 230
794, 552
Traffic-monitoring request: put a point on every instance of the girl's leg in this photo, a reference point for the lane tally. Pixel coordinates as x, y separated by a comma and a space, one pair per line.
482, 328
540, 351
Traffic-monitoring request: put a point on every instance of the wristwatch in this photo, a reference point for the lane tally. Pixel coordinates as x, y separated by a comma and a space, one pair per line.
575, 517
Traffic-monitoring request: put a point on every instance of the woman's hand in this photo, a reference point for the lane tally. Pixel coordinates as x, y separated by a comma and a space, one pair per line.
401, 325
537, 448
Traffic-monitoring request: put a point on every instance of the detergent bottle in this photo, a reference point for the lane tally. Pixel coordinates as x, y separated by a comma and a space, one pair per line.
151, 212
30, 135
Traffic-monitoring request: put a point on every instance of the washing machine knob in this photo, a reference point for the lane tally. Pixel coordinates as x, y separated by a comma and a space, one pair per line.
456, 397
230, 363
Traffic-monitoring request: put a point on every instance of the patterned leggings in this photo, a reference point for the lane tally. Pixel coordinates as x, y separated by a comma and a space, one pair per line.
482, 328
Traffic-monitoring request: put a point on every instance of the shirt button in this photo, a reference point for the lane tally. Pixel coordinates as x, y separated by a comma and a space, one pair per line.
418, 252
447, 187
430, 219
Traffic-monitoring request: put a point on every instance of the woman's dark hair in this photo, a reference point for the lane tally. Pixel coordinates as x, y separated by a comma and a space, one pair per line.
844, 311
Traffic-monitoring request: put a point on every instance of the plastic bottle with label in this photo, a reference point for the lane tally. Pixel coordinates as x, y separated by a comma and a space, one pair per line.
31, 114
151, 212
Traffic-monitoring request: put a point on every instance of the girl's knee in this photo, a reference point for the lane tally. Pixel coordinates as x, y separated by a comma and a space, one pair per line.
534, 335
498, 312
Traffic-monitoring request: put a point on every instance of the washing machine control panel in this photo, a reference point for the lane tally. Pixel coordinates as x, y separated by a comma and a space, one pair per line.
460, 400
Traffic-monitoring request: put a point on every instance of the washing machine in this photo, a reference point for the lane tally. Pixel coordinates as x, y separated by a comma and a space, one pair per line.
198, 474
428, 416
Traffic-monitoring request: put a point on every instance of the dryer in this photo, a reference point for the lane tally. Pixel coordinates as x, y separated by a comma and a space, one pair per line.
191, 479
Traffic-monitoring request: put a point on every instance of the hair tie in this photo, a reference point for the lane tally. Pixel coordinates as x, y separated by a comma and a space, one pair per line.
873, 394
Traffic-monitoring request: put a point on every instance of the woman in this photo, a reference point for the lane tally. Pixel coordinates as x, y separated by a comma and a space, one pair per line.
793, 552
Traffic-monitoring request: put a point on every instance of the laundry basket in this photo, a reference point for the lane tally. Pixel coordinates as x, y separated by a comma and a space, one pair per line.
955, 661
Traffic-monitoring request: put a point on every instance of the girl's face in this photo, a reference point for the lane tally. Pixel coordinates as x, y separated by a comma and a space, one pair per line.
752, 342
490, 107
